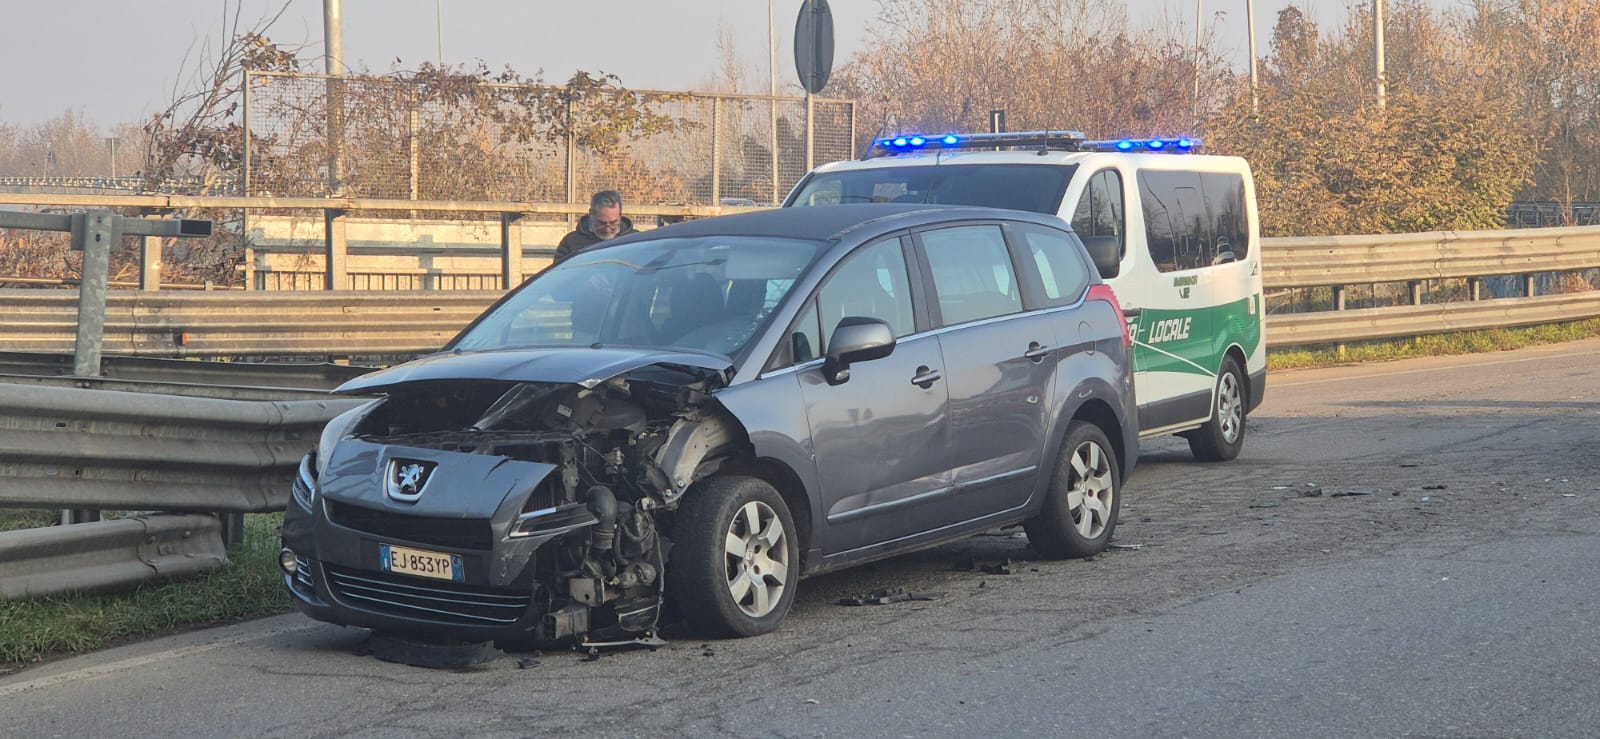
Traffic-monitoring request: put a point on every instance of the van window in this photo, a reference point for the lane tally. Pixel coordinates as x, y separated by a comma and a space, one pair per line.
972, 273
1193, 220
1032, 187
1230, 221
1099, 211
1057, 257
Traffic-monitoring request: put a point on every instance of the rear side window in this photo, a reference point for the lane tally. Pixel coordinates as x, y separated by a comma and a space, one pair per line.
1193, 220
1058, 260
972, 273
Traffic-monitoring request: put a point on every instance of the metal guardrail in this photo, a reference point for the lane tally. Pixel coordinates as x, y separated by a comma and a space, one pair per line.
107, 555
1317, 261
113, 450
238, 380
1327, 327
250, 324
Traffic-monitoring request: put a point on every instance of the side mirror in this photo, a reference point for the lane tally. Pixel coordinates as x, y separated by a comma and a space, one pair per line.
1106, 253
855, 339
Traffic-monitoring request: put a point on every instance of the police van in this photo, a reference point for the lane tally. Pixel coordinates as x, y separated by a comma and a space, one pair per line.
1184, 223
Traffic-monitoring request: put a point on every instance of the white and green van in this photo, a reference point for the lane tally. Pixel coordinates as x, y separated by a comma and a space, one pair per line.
1185, 225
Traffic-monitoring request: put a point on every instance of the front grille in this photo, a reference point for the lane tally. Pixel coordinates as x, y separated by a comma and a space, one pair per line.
455, 533
433, 601
303, 579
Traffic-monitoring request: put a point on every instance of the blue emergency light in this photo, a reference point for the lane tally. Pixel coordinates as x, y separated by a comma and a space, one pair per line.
1059, 140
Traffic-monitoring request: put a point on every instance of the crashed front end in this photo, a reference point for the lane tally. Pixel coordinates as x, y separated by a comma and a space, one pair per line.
502, 509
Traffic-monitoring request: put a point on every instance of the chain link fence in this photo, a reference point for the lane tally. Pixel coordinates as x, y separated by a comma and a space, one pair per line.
382, 137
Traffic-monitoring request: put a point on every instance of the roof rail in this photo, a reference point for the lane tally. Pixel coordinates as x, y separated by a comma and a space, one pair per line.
1044, 140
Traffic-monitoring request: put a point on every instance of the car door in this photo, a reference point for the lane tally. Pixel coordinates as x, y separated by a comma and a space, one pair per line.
1000, 366
881, 439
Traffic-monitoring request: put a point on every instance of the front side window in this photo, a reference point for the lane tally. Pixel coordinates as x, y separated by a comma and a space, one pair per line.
709, 294
972, 273
872, 283
1099, 211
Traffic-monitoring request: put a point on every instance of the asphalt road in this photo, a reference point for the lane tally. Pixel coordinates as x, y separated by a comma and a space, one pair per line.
1404, 549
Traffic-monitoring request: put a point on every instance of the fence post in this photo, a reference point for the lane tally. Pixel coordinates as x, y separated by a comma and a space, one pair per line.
510, 250
716, 151
336, 267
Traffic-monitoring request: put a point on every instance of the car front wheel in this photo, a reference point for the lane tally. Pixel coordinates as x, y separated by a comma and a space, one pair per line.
735, 559
1080, 507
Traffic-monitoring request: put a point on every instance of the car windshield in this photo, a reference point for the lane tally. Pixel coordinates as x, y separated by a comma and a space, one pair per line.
1031, 187
709, 293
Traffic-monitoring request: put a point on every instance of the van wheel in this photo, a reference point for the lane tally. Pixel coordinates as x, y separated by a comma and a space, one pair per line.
1081, 504
735, 559
1221, 438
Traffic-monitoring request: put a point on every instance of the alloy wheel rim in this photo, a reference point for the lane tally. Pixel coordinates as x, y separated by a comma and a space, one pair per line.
1228, 407
757, 558
1092, 491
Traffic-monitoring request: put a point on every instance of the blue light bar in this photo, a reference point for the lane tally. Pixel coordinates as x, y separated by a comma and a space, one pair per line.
1181, 145
1059, 140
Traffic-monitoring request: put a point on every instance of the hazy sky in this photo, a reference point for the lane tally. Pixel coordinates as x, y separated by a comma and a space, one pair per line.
118, 60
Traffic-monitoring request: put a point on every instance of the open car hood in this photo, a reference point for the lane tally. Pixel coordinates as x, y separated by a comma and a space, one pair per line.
578, 365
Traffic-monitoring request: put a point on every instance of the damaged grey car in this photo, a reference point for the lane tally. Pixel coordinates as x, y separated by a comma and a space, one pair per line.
680, 424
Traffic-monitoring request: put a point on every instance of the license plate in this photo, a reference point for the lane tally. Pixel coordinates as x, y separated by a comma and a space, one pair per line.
421, 563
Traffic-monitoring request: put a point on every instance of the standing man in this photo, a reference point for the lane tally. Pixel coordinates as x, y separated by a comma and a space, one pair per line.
604, 222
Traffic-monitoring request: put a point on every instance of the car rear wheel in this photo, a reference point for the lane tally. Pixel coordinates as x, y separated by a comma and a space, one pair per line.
1080, 508
735, 559
1222, 437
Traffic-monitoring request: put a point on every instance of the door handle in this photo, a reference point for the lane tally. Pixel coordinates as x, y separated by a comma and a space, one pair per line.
925, 377
1036, 352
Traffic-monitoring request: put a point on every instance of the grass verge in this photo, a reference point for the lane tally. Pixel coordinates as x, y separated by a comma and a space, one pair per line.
1466, 342
248, 587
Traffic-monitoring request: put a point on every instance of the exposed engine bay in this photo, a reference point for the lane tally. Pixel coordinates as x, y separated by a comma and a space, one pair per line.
588, 537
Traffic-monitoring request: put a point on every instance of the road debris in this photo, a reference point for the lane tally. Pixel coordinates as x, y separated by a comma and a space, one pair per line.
887, 596
1435, 487
1349, 492
528, 663
1124, 547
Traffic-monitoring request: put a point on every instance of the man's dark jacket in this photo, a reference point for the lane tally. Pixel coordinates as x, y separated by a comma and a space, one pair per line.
584, 238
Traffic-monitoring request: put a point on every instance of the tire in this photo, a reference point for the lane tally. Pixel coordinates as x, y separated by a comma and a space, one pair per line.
735, 560
1085, 494
1222, 437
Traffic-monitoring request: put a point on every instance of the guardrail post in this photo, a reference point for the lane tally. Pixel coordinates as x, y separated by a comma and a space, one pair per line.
232, 529
510, 250
94, 232
1474, 288
150, 258
1415, 289
1529, 285
336, 269
1338, 304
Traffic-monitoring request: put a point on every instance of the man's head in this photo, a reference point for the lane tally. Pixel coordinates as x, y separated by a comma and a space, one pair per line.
605, 214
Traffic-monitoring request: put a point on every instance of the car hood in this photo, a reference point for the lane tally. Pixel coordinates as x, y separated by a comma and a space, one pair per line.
579, 365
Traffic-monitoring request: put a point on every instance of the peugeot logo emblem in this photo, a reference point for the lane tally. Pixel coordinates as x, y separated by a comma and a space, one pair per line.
406, 478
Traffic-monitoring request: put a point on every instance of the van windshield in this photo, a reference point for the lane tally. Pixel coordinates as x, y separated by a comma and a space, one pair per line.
1032, 187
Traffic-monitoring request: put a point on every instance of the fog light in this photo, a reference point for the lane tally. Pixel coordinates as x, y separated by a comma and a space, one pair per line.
286, 561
